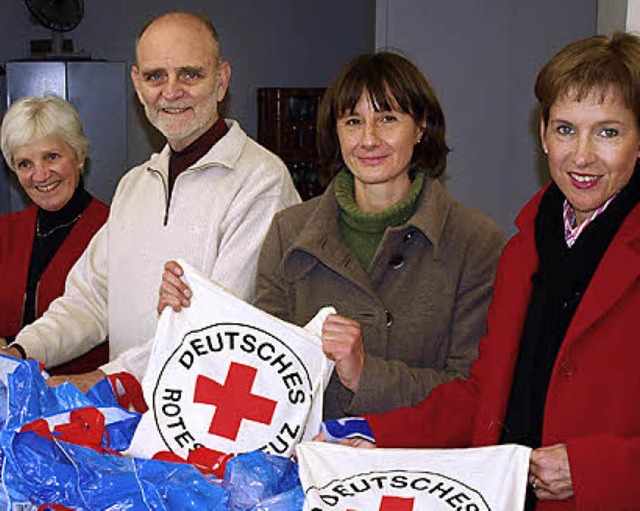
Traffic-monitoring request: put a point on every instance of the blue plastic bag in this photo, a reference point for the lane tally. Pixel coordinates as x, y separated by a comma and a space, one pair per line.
39, 471
26, 397
42, 471
256, 477
292, 500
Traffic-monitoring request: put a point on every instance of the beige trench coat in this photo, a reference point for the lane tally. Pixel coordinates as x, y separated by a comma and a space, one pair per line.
422, 303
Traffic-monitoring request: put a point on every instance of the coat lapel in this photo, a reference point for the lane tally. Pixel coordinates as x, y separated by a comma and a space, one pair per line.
618, 270
320, 242
507, 313
322, 238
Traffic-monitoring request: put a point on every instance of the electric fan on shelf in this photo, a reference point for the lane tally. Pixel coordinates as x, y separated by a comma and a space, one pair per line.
59, 16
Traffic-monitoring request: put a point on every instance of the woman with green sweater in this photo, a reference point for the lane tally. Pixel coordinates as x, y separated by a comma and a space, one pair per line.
408, 269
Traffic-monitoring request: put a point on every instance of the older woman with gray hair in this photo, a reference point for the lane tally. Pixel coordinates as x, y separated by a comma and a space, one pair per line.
43, 142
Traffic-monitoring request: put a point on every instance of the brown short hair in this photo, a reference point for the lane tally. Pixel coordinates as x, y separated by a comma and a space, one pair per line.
595, 63
392, 83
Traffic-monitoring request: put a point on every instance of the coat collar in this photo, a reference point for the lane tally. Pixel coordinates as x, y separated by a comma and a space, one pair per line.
525, 220
434, 205
617, 271
432, 213
225, 153
320, 239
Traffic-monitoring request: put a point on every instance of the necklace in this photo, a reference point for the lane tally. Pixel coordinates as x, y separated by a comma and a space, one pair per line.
56, 228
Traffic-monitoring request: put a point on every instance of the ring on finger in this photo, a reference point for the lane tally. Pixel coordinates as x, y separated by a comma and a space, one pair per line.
534, 483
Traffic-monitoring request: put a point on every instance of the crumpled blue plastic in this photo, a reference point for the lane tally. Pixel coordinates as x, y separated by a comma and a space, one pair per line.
25, 397
256, 477
40, 471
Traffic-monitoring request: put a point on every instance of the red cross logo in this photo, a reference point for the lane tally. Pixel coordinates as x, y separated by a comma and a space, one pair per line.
395, 504
233, 401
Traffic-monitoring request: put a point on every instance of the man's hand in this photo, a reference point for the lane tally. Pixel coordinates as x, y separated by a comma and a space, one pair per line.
342, 342
350, 442
11, 352
82, 381
549, 473
173, 292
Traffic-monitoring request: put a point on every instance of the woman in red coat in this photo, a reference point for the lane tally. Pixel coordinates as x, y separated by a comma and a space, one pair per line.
558, 368
44, 144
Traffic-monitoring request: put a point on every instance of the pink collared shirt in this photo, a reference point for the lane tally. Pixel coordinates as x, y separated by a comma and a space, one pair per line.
571, 229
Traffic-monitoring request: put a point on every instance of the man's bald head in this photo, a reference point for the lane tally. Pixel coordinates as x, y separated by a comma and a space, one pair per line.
180, 76
186, 17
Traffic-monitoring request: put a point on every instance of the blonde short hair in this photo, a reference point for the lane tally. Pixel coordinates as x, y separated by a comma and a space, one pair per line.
30, 119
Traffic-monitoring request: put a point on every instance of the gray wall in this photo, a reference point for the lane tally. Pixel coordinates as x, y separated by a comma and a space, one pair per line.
271, 43
482, 58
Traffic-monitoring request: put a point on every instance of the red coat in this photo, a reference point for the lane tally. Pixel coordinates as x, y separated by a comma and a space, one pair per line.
593, 401
17, 232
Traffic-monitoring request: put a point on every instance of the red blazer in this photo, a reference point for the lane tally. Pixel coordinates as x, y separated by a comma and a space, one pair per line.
17, 231
593, 401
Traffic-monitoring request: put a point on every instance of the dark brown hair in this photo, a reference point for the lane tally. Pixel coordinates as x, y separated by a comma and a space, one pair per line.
595, 63
392, 83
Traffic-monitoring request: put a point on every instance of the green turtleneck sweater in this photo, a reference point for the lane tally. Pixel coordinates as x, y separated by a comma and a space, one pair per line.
363, 231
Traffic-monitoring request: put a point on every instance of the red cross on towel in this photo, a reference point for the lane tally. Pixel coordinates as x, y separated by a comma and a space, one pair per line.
395, 504
234, 401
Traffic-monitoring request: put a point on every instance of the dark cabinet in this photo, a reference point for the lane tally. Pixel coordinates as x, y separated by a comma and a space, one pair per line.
287, 126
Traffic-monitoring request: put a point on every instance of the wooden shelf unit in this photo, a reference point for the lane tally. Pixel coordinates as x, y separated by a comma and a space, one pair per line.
287, 126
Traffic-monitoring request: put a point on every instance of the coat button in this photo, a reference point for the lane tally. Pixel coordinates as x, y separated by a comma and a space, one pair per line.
389, 318
565, 369
396, 262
